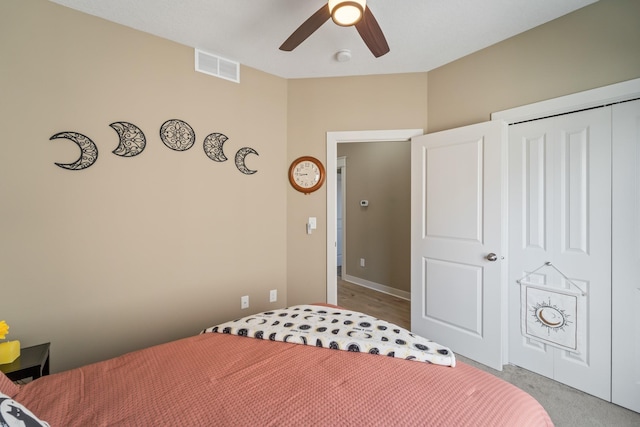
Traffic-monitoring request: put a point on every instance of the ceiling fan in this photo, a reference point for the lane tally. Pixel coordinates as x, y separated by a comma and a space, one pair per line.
344, 13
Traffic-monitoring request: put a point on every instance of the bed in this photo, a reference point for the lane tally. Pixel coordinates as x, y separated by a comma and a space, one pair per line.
231, 375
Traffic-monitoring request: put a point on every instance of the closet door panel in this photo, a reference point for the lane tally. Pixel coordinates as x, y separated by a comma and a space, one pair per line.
533, 177
574, 190
560, 211
626, 256
528, 235
583, 244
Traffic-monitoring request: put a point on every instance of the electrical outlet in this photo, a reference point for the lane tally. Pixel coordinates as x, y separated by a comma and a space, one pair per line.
244, 301
362, 262
273, 295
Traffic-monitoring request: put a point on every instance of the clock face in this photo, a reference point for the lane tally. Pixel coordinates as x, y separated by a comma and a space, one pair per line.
306, 174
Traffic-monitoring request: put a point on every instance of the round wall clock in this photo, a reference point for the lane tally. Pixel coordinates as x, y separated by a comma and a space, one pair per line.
306, 174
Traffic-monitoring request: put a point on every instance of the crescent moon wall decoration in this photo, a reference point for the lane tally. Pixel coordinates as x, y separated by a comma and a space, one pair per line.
240, 160
132, 139
177, 135
213, 146
88, 150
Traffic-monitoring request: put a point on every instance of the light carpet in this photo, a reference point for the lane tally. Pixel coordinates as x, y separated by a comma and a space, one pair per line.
566, 406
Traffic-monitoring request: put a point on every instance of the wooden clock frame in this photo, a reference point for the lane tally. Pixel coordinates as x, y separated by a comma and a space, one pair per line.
320, 167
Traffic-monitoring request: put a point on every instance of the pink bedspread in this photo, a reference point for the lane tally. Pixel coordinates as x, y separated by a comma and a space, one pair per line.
227, 380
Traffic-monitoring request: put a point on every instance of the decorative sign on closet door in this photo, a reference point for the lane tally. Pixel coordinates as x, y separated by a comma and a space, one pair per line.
552, 314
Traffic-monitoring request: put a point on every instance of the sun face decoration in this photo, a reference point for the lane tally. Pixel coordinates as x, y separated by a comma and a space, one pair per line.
550, 316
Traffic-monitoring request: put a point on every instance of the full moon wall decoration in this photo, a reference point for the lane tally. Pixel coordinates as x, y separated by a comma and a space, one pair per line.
176, 134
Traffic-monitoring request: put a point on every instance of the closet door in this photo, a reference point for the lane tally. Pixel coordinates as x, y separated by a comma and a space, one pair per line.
626, 256
560, 211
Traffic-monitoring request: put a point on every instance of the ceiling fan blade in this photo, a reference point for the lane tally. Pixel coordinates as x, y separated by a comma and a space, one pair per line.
371, 34
307, 28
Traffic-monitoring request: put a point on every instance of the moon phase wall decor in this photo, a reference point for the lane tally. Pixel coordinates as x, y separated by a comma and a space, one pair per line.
88, 150
240, 160
176, 134
213, 147
132, 139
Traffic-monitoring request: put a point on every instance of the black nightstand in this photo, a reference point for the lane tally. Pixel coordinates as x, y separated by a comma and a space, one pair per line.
33, 362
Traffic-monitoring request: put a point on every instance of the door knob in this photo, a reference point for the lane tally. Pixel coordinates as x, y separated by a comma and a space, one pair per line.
492, 257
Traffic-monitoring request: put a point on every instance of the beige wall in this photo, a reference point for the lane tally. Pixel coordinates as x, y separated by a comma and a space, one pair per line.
131, 251
379, 172
317, 106
592, 47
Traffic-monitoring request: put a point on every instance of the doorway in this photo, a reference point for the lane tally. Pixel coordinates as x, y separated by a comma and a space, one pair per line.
333, 139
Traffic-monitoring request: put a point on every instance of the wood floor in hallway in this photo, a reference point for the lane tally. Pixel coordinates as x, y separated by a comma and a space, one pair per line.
377, 304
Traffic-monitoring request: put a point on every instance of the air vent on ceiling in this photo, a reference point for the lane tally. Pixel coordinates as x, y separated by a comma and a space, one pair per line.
216, 66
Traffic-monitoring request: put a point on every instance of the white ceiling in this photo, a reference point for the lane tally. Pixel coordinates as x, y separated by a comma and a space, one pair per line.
422, 34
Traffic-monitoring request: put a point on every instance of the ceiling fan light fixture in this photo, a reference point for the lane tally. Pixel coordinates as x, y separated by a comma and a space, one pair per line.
347, 12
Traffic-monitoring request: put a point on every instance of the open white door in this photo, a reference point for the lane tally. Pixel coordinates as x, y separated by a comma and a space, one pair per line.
457, 228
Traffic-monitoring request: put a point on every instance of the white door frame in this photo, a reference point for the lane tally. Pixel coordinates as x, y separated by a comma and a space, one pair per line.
342, 167
333, 139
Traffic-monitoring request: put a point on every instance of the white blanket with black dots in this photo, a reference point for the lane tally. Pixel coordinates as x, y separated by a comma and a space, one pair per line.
337, 329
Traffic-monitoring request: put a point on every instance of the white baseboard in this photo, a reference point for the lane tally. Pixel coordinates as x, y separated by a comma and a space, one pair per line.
377, 287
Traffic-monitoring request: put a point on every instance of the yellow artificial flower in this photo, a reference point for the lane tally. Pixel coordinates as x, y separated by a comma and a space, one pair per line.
4, 329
